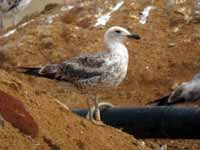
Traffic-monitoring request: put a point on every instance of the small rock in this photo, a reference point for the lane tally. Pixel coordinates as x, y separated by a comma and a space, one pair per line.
67, 8
171, 45
176, 29
147, 67
142, 143
163, 147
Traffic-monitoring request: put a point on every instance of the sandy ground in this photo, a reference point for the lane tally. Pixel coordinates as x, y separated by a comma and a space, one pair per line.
168, 53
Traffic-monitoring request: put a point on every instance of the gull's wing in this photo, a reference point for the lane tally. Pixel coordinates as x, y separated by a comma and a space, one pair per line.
78, 68
90, 61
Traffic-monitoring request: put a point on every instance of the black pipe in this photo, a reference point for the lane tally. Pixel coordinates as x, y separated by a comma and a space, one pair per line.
153, 122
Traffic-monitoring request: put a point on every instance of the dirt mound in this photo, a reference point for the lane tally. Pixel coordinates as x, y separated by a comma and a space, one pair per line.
167, 53
58, 128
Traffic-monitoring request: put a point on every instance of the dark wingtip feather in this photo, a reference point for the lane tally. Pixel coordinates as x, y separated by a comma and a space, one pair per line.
163, 101
29, 70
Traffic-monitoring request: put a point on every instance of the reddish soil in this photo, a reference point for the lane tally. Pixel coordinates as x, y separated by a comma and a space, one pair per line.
168, 53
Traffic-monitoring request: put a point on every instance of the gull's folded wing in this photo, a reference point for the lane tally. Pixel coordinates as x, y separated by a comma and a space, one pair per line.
78, 68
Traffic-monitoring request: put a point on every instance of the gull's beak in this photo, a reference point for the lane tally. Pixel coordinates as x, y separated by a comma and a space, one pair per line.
134, 36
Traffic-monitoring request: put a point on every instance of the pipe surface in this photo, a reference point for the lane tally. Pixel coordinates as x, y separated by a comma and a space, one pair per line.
152, 121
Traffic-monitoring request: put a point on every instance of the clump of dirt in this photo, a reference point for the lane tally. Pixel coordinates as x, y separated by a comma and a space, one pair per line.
168, 53
13, 111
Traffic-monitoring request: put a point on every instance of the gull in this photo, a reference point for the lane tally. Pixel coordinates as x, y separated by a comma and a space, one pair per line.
185, 92
92, 73
11, 6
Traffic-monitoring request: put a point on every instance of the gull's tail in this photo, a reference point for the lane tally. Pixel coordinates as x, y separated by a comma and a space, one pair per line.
45, 72
30, 71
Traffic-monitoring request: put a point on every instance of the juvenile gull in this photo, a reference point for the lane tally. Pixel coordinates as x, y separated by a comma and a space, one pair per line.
12, 6
185, 92
92, 72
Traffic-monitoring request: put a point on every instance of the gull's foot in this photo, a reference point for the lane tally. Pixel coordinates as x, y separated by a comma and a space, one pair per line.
98, 123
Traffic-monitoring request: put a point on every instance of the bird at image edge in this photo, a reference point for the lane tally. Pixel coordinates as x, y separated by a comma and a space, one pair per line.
185, 92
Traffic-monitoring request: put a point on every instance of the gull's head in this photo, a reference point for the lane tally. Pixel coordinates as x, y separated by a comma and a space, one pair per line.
118, 34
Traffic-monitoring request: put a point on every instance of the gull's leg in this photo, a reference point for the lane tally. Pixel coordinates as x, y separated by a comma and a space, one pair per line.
89, 110
97, 112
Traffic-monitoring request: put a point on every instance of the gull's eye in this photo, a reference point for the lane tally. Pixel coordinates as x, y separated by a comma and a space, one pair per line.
118, 31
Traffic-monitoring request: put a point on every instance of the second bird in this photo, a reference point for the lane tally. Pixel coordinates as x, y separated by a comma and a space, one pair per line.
185, 92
